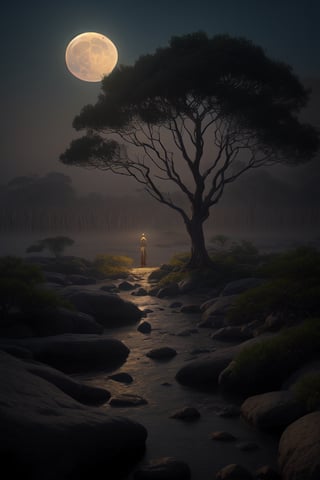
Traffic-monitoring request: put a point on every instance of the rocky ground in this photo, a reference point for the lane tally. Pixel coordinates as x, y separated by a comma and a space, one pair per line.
164, 368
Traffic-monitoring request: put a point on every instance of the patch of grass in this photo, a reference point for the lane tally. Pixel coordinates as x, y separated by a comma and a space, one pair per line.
267, 364
231, 261
293, 289
307, 390
113, 266
172, 277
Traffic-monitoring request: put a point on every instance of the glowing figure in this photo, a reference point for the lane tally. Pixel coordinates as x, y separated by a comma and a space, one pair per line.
143, 250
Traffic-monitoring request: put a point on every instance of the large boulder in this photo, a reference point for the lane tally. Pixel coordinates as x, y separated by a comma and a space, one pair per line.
242, 285
170, 290
72, 352
299, 449
232, 334
214, 312
272, 410
205, 372
59, 320
108, 309
47, 434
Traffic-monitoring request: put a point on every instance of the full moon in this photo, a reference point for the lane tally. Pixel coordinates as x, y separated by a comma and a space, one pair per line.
90, 56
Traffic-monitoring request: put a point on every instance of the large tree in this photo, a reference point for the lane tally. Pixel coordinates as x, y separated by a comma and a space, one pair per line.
198, 114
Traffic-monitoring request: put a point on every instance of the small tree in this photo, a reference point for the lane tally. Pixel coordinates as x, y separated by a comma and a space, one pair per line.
56, 245
197, 114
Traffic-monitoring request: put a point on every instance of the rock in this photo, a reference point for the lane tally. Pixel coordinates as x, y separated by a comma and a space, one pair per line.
159, 273
141, 292
266, 473
231, 334
167, 468
162, 353
127, 400
212, 322
312, 367
168, 291
274, 322
57, 278
108, 309
125, 286
242, 285
72, 352
299, 449
85, 394
247, 446
206, 371
222, 436
214, 315
40, 423
234, 472
121, 377
109, 288
144, 327
188, 285
81, 280
153, 292
59, 320
190, 309
187, 413
175, 305
272, 410
147, 310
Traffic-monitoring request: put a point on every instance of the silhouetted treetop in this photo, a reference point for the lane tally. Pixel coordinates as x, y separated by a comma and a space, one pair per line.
231, 77
197, 113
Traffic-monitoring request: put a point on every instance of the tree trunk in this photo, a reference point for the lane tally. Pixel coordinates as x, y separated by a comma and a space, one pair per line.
199, 255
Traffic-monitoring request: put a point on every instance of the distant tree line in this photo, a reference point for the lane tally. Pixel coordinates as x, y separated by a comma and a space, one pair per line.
50, 204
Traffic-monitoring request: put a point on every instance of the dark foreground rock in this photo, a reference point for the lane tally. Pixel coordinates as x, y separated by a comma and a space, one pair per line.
272, 410
59, 320
45, 434
299, 449
107, 309
72, 353
167, 468
144, 327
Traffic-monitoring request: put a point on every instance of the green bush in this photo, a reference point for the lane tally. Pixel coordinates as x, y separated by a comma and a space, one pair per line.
266, 364
307, 391
293, 289
113, 266
21, 287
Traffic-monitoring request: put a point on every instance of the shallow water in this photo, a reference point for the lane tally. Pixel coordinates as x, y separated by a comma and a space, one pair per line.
188, 441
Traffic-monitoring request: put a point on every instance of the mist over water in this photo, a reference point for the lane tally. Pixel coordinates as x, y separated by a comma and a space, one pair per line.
162, 244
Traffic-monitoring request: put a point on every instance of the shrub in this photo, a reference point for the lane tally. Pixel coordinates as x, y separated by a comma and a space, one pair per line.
307, 391
265, 365
293, 289
21, 287
113, 266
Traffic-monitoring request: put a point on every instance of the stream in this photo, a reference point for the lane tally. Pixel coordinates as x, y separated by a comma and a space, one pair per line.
155, 381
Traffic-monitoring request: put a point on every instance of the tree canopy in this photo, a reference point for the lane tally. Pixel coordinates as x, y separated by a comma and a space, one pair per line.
198, 113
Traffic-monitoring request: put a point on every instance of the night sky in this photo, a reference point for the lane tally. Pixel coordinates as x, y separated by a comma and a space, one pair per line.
40, 97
